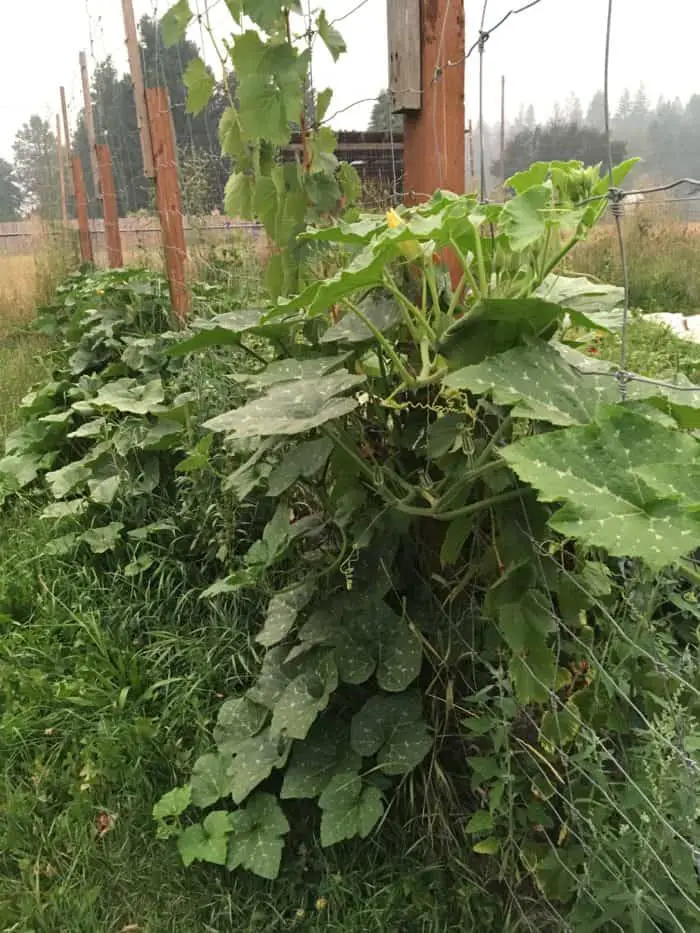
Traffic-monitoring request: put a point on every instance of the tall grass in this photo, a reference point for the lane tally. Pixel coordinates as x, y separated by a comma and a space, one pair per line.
663, 257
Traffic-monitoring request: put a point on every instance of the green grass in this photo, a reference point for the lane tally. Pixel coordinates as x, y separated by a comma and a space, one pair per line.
653, 350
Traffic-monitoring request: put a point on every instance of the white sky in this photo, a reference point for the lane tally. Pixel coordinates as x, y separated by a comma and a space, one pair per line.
545, 53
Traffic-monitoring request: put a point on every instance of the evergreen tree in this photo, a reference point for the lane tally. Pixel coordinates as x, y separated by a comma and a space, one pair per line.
36, 167
382, 119
10, 193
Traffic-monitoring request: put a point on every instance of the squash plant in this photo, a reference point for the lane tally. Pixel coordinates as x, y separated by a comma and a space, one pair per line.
457, 496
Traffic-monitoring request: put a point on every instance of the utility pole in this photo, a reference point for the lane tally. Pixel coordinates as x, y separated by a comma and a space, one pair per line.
66, 132
61, 172
136, 69
90, 125
503, 134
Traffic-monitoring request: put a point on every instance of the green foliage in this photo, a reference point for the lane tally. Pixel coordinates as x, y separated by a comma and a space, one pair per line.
272, 99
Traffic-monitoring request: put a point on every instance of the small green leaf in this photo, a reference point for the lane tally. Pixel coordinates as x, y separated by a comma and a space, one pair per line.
207, 841
230, 138
104, 538
306, 695
332, 39
239, 719
200, 84
210, 781
481, 822
488, 846
175, 802
67, 479
256, 841
104, 491
175, 22
350, 808
238, 196
323, 100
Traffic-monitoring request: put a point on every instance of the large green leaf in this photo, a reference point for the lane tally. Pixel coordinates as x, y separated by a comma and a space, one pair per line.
130, 395
495, 325
381, 312
393, 729
255, 758
68, 478
256, 839
210, 781
606, 504
239, 719
200, 84
537, 382
224, 330
238, 196
323, 754
291, 408
523, 219
350, 808
103, 538
175, 22
577, 293
305, 696
368, 637
282, 613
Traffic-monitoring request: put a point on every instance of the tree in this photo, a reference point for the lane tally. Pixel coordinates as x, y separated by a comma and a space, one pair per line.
36, 167
574, 110
595, 115
624, 107
10, 193
558, 140
382, 120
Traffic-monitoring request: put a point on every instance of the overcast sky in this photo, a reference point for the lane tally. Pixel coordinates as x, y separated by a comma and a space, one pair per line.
545, 53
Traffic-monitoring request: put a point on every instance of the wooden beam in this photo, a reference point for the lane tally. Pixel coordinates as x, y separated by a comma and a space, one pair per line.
405, 79
82, 210
434, 135
66, 133
109, 207
136, 69
90, 124
61, 172
168, 199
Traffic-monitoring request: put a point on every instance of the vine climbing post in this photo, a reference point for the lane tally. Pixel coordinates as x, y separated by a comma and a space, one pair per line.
168, 200
109, 207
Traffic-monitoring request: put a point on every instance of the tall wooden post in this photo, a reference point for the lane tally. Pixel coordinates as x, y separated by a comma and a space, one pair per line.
426, 66
82, 210
168, 198
109, 207
66, 131
136, 69
503, 133
90, 124
61, 172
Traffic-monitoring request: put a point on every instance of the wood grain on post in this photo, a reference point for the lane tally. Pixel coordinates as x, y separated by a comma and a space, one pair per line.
61, 172
109, 207
90, 125
136, 70
168, 200
82, 210
434, 135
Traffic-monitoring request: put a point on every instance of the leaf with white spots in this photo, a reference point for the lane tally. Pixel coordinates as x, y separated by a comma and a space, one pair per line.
321, 756
239, 719
210, 781
392, 728
257, 835
350, 808
592, 470
291, 407
536, 381
254, 761
306, 695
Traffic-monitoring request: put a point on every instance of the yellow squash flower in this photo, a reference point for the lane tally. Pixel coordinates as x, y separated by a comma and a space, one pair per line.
411, 248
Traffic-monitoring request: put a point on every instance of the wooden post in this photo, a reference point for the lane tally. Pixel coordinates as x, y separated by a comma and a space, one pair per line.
136, 69
61, 172
109, 207
433, 131
82, 210
168, 198
503, 133
90, 124
66, 132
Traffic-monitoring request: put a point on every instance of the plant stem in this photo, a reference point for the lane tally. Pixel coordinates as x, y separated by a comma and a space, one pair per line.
481, 265
383, 343
465, 481
564, 251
